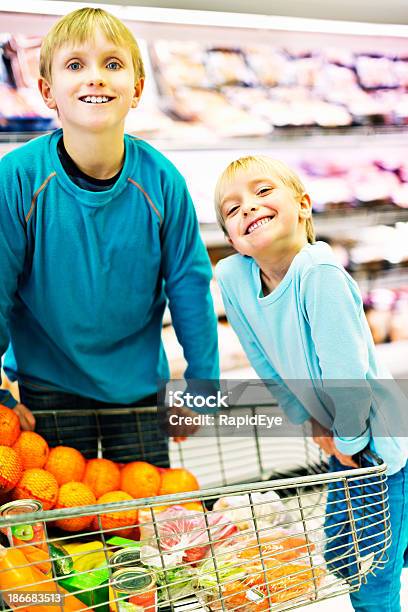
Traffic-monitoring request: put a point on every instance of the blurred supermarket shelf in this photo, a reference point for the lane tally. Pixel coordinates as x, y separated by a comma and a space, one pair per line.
357, 136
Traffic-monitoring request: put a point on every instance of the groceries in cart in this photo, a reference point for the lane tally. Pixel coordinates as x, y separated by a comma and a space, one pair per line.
138, 538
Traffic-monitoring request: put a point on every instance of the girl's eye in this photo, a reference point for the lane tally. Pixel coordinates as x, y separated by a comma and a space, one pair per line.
113, 66
74, 66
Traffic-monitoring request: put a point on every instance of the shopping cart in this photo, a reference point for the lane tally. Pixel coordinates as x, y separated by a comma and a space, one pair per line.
274, 533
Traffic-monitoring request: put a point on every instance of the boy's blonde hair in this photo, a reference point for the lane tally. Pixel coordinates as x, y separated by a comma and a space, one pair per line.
80, 26
268, 166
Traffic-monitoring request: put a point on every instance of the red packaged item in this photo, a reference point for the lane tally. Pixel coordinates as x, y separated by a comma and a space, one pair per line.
187, 531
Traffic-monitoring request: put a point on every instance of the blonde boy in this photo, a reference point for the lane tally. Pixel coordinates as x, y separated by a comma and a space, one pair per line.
299, 317
97, 233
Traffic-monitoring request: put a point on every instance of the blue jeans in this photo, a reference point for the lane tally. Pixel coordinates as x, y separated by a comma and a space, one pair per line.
130, 435
382, 589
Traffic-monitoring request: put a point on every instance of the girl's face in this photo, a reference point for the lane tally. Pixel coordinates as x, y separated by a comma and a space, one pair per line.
261, 213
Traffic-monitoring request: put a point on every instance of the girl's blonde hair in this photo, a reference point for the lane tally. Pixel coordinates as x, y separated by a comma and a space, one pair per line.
80, 26
268, 166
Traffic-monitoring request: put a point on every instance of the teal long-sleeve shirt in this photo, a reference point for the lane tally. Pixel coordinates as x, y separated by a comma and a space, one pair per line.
85, 276
310, 338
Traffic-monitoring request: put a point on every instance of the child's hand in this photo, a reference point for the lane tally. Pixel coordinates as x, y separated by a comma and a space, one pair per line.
27, 419
324, 438
179, 423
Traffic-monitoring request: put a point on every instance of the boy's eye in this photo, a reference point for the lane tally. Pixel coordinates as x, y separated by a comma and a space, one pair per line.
232, 210
74, 66
113, 65
263, 191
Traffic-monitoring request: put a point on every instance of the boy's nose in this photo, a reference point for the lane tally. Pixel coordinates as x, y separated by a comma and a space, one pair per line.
247, 208
96, 81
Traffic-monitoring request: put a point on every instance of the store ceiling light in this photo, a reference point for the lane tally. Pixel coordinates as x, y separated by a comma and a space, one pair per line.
212, 18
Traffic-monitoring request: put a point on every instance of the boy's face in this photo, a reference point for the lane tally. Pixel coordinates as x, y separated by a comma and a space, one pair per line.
261, 213
93, 85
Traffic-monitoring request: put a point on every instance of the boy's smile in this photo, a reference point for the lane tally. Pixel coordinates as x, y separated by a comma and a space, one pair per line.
259, 222
93, 85
261, 213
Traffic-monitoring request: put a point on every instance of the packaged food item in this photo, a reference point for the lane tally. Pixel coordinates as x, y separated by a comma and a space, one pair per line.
263, 584
137, 587
86, 555
241, 509
228, 66
23, 534
187, 533
39, 557
282, 546
31, 537
178, 64
61, 561
174, 583
92, 588
374, 72
284, 581
118, 541
18, 577
126, 557
270, 65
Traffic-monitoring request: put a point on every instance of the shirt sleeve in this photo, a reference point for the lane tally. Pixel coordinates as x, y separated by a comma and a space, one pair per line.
12, 256
289, 403
334, 309
187, 273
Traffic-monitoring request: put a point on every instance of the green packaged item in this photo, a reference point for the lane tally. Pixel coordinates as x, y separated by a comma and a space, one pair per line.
61, 561
123, 542
175, 583
94, 586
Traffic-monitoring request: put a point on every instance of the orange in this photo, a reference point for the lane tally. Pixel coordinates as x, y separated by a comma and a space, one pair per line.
9, 426
125, 520
70, 495
32, 448
11, 469
102, 476
145, 515
66, 464
38, 484
194, 505
177, 480
140, 479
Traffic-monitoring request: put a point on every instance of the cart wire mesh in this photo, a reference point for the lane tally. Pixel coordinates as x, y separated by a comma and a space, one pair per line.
292, 536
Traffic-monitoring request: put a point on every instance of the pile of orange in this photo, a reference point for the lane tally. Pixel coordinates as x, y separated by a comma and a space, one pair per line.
33, 449
122, 523
11, 469
36, 483
177, 480
102, 476
71, 495
9, 426
140, 479
61, 477
66, 464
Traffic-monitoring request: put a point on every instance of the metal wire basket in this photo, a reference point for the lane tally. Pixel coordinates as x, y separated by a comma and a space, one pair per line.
290, 537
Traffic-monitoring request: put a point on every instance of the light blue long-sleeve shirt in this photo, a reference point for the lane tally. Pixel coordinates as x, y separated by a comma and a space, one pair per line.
85, 276
310, 336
